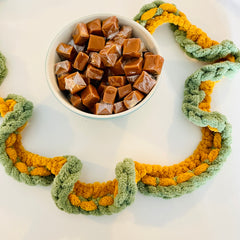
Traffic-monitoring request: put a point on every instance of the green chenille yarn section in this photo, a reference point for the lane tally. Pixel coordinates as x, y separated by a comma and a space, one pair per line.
211, 54
11, 122
192, 97
3, 68
147, 7
196, 181
63, 185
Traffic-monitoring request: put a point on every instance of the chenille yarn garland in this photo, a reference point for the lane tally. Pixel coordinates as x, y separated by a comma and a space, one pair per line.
73, 196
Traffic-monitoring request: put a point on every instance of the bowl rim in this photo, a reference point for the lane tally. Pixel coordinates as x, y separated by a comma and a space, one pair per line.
67, 104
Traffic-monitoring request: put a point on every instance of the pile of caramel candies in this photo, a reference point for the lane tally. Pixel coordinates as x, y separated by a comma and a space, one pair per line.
104, 69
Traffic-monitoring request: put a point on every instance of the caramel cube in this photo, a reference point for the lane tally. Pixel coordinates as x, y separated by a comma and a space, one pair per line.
110, 27
125, 32
132, 99
77, 47
144, 83
117, 81
147, 54
101, 88
124, 90
109, 94
96, 43
96, 60
117, 69
90, 96
132, 79
103, 108
94, 27
119, 107
153, 63
74, 82
61, 81
109, 55
81, 61
132, 47
76, 101
80, 34
133, 66
94, 73
62, 67
66, 51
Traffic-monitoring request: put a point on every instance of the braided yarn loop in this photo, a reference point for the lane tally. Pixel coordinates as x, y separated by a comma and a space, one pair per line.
73, 196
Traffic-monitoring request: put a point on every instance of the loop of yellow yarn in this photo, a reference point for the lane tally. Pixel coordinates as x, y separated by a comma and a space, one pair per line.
6, 106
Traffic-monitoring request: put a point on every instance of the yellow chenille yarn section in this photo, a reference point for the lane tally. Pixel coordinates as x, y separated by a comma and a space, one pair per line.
217, 141
40, 171
193, 165
54, 165
213, 155
149, 14
201, 168
11, 140
106, 201
207, 87
168, 7
85, 205
193, 33
12, 154
167, 182
22, 167
184, 177
149, 180
6, 106
96, 189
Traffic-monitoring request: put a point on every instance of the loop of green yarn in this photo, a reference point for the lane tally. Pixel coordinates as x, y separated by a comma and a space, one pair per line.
63, 183
3, 68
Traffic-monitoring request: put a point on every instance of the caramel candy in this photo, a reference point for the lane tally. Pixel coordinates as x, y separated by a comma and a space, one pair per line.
76, 101
109, 55
62, 67
148, 53
90, 96
86, 79
61, 81
96, 60
117, 81
80, 61
132, 79
74, 82
119, 107
133, 67
101, 88
153, 64
109, 94
94, 73
94, 27
103, 108
66, 51
125, 32
124, 90
117, 69
77, 47
132, 47
80, 34
144, 83
110, 27
96, 43
132, 99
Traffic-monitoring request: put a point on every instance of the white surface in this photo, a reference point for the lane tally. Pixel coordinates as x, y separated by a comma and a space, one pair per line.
157, 133
65, 36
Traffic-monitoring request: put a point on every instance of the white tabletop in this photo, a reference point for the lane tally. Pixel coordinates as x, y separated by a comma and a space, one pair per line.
158, 133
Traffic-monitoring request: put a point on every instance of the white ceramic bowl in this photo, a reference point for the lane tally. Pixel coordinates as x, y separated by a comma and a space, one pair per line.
65, 35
